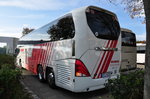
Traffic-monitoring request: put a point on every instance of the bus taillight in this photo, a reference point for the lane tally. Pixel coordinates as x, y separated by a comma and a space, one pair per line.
80, 69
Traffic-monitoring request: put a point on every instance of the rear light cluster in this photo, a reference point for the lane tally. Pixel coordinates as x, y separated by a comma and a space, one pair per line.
80, 69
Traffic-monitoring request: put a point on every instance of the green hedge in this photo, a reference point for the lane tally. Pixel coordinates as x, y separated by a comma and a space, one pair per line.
9, 81
127, 86
7, 59
10, 87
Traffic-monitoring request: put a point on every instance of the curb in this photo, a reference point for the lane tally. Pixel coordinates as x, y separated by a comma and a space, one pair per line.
33, 95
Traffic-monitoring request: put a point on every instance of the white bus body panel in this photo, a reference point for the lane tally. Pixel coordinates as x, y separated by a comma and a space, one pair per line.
128, 58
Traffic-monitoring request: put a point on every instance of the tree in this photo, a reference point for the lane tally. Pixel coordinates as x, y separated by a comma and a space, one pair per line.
26, 31
147, 58
138, 8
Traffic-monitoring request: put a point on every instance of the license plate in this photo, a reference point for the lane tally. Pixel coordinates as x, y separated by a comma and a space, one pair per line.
106, 75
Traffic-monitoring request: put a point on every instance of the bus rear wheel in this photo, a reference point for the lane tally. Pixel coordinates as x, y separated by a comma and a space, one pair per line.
51, 78
40, 73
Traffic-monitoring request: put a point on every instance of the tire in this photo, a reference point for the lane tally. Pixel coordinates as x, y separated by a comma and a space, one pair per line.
40, 73
51, 78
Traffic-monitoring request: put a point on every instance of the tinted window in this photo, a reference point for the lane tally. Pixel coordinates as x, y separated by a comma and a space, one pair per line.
140, 51
128, 39
141, 48
60, 29
103, 25
63, 29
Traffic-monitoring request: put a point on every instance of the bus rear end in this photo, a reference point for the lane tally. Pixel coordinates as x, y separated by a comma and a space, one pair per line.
128, 50
98, 49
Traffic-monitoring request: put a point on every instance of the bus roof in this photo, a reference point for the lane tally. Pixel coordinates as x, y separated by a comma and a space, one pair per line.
94, 7
127, 30
82, 9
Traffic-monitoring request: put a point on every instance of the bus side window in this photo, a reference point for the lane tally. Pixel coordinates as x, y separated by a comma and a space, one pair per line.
62, 29
140, 51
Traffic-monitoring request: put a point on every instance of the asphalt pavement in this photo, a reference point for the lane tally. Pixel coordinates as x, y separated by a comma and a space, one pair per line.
43, 91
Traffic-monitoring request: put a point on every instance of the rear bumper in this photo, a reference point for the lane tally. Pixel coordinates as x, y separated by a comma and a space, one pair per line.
85, 84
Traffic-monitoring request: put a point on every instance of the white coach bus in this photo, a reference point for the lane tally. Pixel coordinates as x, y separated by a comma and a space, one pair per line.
128, 50
78, 51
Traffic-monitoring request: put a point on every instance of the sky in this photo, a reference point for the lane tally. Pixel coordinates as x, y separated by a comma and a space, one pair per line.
18, 14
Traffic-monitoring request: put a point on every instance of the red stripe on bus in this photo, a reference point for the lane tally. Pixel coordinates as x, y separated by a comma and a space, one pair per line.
50, 55
37, 54
101, 61
115, 61
48, 52
105, 60
41, 54
44, 54
110, 58
98, 60
21, 50
54, 45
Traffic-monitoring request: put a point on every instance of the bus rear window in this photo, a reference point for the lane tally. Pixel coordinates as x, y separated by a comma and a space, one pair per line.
128, 39
103, 25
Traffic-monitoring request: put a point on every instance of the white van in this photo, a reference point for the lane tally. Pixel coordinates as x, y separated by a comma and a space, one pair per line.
79, 51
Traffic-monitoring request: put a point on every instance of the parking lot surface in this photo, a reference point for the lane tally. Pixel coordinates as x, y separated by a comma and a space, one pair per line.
43, 91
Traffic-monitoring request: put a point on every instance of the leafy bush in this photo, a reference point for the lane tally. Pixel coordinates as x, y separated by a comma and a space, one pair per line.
127, 86
10, 87
9, 81
7, 59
